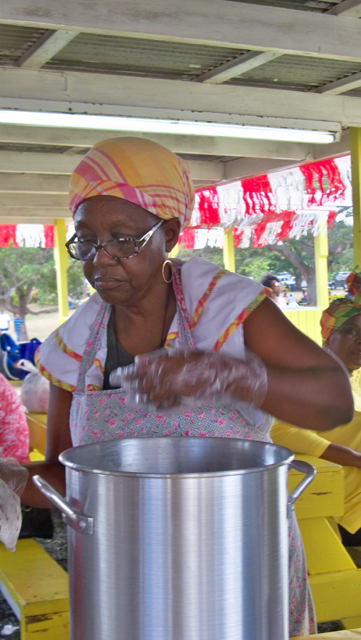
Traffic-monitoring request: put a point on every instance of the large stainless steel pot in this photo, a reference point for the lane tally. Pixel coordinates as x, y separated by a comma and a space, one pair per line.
178, 538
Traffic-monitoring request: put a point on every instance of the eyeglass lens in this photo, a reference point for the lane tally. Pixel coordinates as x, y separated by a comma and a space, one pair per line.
115, 248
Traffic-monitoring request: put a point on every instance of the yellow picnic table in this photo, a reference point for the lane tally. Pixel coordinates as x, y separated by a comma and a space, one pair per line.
354, 634
37, 434
334, 578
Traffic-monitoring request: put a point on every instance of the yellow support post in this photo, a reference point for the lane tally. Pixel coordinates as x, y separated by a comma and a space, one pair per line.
321, 253
61, 263
228, 251
174, 252
355, 147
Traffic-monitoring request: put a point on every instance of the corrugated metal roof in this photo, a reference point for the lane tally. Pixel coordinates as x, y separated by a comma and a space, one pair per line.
137, 56
15, 41
318, 6
298, 72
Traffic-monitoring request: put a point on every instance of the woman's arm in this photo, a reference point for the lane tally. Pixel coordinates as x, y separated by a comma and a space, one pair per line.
306, 386
298, 440
57, 440
339, 454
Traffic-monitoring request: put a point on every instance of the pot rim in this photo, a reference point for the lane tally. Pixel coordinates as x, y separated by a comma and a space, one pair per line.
288, 458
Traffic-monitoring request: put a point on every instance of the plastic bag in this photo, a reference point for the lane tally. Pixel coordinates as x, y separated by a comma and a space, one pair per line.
13, 478
34, 390
176, 378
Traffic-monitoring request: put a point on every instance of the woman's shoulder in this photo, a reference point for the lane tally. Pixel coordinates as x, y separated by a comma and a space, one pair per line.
59, 357
207, 282
218, 301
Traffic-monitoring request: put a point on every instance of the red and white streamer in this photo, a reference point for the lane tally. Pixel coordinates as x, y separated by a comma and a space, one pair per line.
262, 210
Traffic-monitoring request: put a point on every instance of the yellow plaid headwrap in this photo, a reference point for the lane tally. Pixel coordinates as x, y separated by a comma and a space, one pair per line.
137, 170
342, 309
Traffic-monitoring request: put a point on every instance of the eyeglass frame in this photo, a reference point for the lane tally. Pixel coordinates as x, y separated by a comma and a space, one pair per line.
137, 246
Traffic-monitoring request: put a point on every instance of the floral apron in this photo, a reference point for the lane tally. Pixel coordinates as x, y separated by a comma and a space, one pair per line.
98, 415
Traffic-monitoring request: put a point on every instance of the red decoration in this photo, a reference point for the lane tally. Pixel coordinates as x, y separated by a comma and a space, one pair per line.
331, 218
237, 237
7, 234
208, 205
315, 174
187, 239
49, 236
258, 196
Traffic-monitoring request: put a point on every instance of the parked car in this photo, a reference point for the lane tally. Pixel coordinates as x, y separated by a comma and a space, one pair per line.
338, 282
287, 280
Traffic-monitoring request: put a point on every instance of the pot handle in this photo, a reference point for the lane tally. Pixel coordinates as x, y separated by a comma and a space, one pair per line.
310, 472
77, 521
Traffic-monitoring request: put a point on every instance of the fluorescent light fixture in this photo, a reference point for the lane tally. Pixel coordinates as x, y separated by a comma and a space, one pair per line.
149, 125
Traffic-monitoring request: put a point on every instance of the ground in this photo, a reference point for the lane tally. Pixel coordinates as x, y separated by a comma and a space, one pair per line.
40, 326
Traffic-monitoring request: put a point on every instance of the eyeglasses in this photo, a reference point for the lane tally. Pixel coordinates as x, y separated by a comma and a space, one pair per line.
117, 248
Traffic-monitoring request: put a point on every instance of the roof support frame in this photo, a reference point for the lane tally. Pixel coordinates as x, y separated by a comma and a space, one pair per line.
237, 66
223, 24
47, 46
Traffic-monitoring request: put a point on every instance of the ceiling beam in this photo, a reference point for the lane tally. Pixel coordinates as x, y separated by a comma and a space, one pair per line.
233, 24
78, 92
250, 167
44, 215
47, 46
237, 66
342, 85
340, 148
34, 200
347, 8
50, 164
33, 183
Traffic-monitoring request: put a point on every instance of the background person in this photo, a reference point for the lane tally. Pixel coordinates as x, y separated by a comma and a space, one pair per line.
271, 281
4, 321
18, 322
130, 198
341, 333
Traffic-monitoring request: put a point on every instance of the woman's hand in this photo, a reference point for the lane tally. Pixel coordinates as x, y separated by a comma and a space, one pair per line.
163, 379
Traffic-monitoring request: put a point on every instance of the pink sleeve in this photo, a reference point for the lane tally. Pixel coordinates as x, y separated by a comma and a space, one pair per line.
14, 432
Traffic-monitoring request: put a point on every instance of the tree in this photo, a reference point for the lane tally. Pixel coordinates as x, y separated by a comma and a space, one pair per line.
23, 270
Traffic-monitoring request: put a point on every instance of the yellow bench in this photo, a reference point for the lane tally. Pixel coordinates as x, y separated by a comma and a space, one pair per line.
37, 594
335, 580
37, 433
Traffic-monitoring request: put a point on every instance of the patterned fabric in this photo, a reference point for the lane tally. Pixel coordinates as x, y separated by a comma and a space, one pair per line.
353, 282
241, 318
102, 415
14, 432
205, 296
137, 170
342, 309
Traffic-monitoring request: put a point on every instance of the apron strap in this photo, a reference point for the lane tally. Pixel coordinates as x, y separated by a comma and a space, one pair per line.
95, 340
94, 343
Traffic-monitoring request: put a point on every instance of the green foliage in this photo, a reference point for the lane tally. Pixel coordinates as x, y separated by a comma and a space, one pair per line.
26, 272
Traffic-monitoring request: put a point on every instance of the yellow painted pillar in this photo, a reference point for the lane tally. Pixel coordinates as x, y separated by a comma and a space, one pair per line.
228, 251
321, 253
174, 252
355, 147
61, 258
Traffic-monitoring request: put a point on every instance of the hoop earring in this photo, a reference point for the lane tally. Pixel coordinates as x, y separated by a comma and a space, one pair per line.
171, 271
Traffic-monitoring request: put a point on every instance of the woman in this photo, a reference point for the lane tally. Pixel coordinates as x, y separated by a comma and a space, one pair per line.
130, 199
341, 334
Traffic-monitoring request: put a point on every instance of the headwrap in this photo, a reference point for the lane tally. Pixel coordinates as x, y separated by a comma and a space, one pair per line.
341, 309
137, 170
